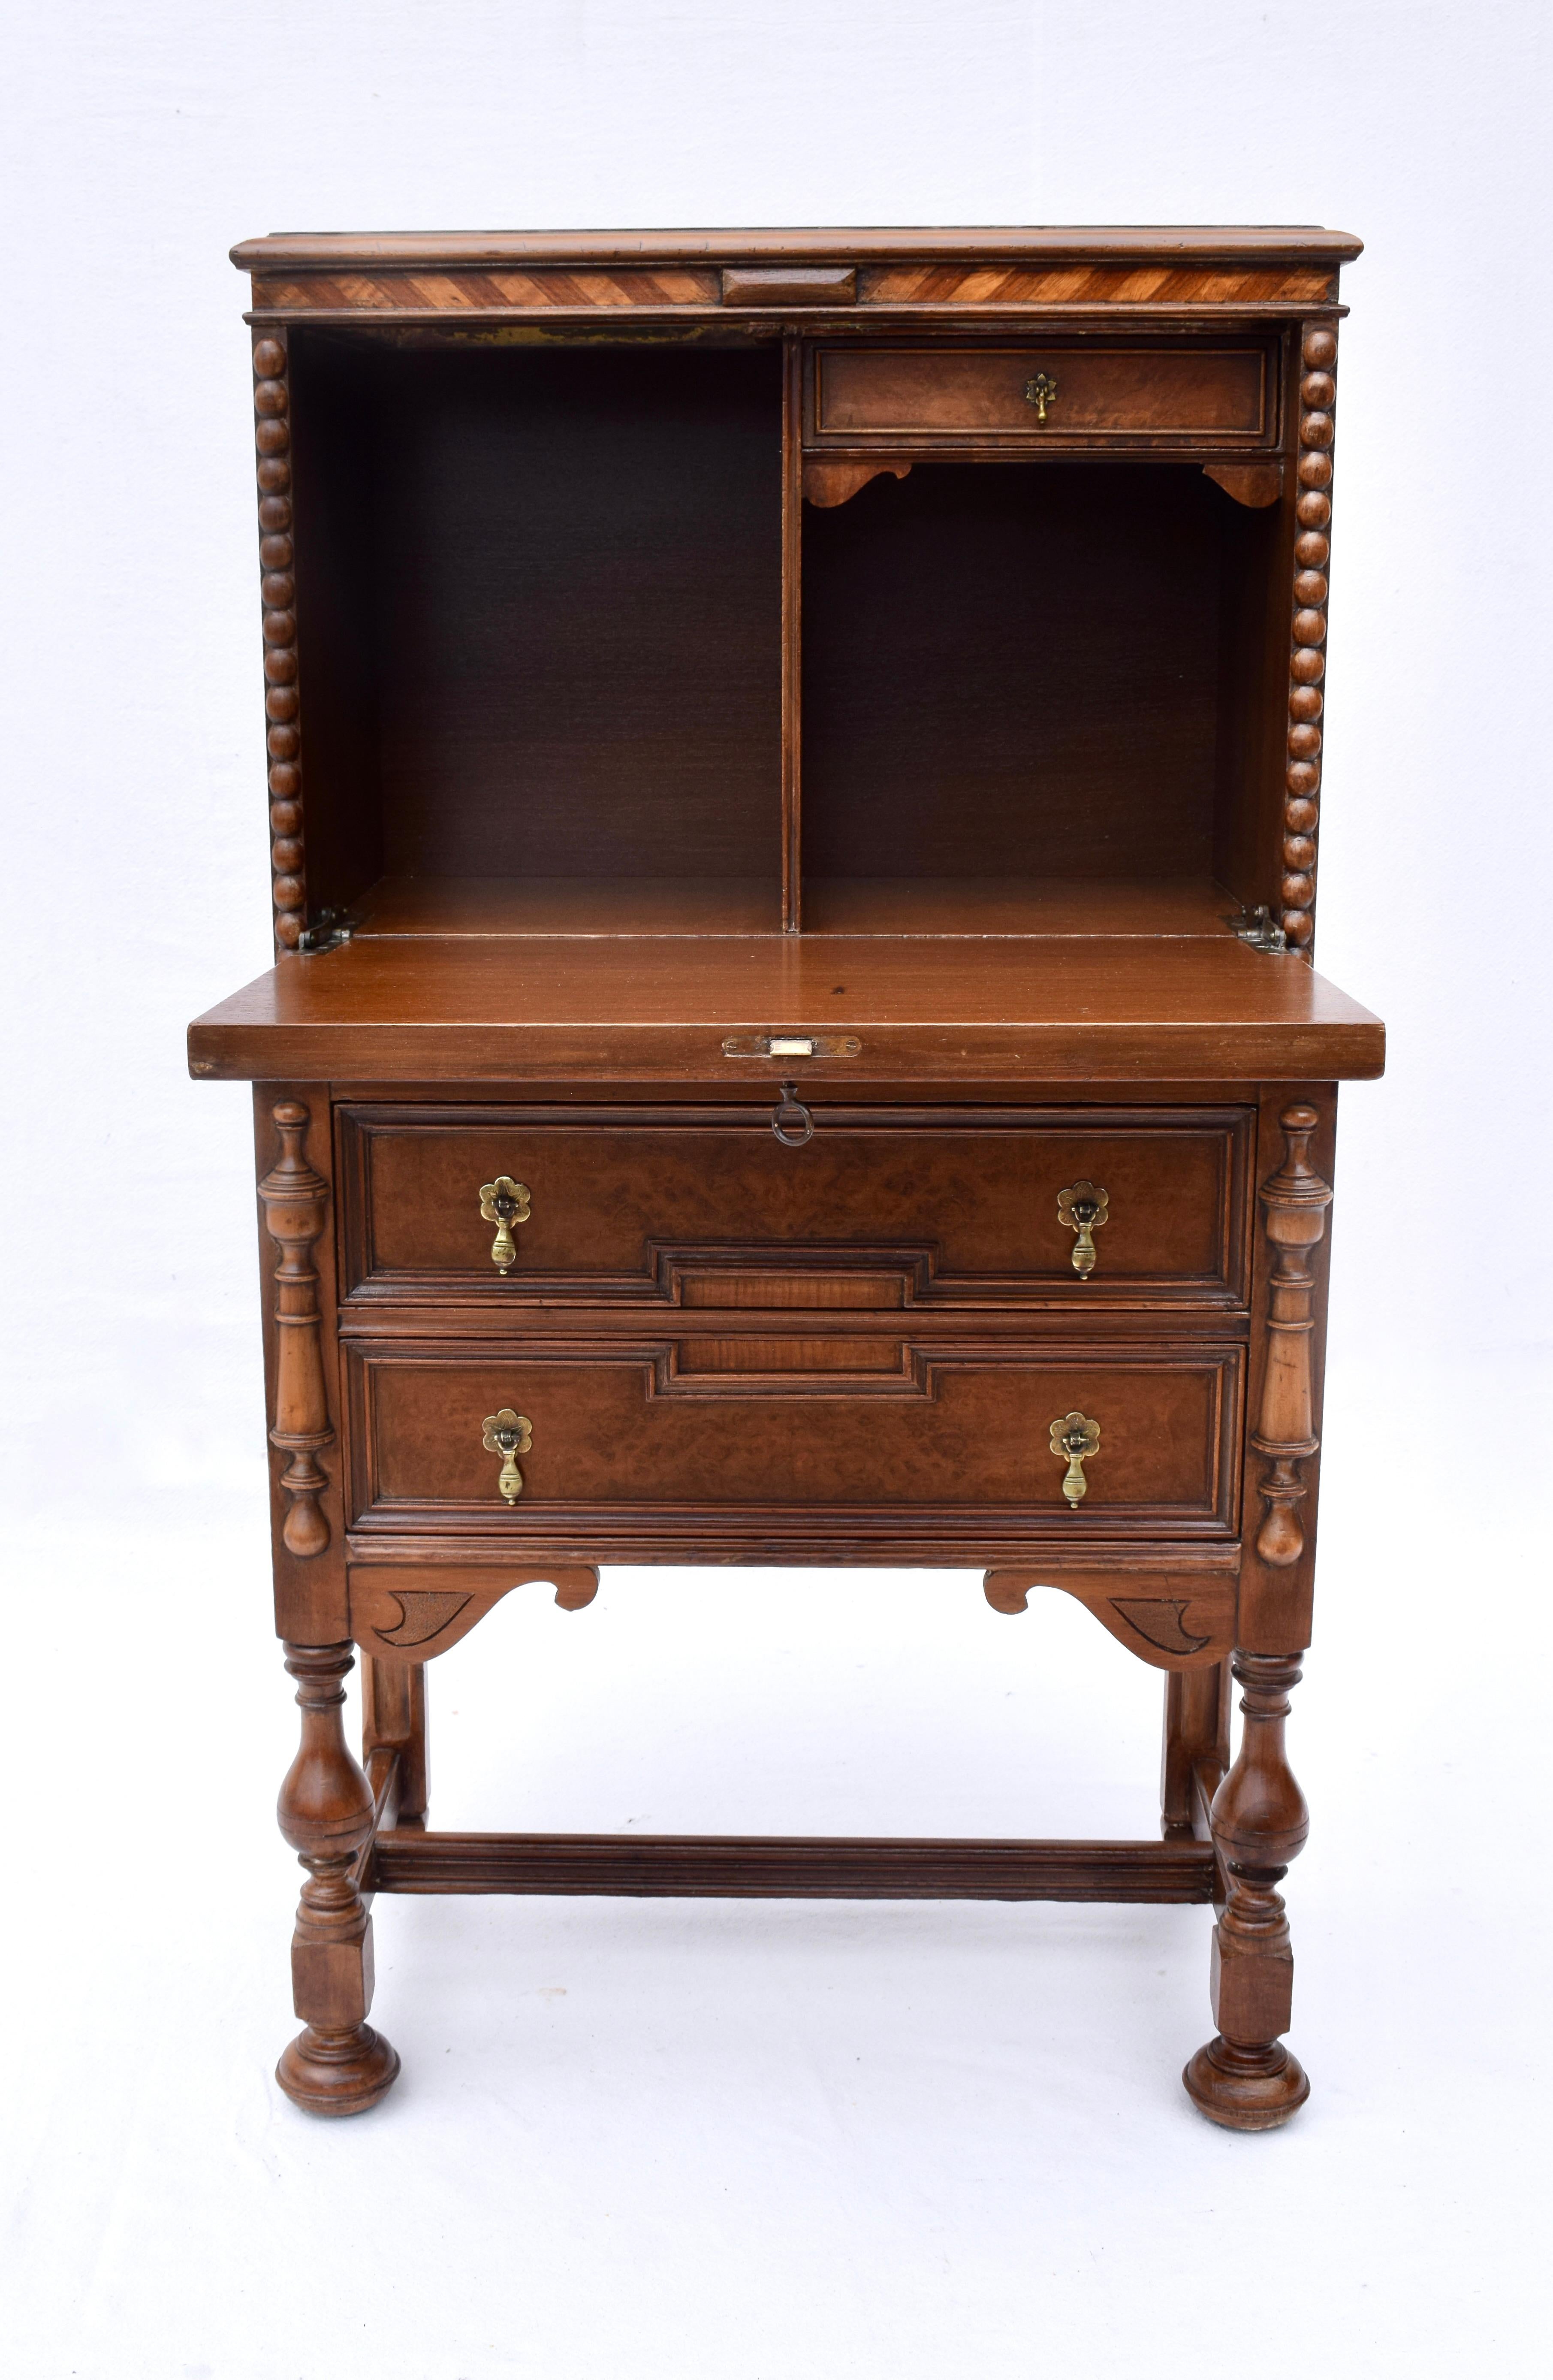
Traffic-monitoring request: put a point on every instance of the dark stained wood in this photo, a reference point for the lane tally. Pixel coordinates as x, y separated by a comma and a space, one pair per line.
1014, 669
1279, 1595
1177, 1613
1163, 908
948, 1445
271, 432
834, 483
791, 637
405, 1613
804, 948
1196, 1745
294, 1200
925, 1209
1311, 483
1174, 242
789, 284
338, 462
945, 398
1245, 2078
565, 521
592, 905
1252, 484
828, 1867
617, 1011
301, 1358
337, 2065
393, 1723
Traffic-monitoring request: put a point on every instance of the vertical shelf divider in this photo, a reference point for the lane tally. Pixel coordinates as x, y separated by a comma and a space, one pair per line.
792, 633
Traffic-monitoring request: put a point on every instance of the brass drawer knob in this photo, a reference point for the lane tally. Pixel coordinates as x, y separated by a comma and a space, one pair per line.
1040, 392
503, 1202
509, 1435
1084, 1208
1073, 1441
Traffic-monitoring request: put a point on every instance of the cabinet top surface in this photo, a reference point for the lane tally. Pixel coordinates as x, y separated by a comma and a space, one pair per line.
1243, 243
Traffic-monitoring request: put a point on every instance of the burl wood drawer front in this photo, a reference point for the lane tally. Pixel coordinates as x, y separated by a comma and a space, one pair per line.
957, 1431
1046, 395
883, 1207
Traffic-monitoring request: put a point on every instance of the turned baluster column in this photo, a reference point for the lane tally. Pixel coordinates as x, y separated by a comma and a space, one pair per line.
1294, 1203
1245, 2077
294, 1200
337, 2065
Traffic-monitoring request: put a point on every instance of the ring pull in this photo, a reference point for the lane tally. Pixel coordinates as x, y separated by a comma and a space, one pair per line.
503, 1202
1040, 392
1084, 1208
509, 1435
792, 1123
1073, 1441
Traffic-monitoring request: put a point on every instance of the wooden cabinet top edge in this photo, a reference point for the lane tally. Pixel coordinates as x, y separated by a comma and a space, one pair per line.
1040, 244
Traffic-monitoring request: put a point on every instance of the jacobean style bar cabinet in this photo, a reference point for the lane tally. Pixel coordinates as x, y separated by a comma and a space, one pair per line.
793, 770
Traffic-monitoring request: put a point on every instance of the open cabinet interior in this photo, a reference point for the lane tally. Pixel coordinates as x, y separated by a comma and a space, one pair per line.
1018, 706
576, 663
540, 593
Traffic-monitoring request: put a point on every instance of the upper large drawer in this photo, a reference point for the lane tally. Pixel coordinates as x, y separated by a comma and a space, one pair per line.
883, 1207
1029, 396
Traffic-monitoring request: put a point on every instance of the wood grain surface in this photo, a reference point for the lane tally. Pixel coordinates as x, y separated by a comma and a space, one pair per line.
928, 1208
943, 396
621, 1011
648, 805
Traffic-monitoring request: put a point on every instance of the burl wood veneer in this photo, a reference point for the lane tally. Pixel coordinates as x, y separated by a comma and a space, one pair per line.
795, 765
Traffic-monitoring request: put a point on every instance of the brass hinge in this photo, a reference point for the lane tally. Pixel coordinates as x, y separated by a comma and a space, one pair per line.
1256, 929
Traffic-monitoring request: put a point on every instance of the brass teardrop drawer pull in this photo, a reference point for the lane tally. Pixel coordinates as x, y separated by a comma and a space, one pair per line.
1084, 1208
503, 1202
509, 1435
1040, 392
1073, 1441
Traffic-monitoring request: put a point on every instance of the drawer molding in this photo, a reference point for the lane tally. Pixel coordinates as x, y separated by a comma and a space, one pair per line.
1043, 395
745, 1463
950, 1208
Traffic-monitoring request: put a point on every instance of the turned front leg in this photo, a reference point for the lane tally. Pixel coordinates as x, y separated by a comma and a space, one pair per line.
337, 2065
1245, 2078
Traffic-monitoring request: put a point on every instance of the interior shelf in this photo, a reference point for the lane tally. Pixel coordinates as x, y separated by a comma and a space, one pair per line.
977, 906
967, 907
495, 906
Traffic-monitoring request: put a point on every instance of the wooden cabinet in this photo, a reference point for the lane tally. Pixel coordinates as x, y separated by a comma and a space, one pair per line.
794, 772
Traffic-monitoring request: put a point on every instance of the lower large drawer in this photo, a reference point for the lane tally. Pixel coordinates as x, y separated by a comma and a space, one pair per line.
782, 1435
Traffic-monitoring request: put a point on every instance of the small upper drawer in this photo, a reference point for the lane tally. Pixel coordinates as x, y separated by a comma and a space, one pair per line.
1016, 397
703, 1208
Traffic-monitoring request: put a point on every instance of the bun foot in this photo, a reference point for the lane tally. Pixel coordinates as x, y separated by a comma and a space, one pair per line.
337, 2073
1249, 2089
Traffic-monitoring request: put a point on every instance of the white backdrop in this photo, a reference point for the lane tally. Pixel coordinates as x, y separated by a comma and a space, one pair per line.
684, 2138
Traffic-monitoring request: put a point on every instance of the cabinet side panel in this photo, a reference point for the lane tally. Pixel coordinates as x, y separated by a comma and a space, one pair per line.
335, 441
